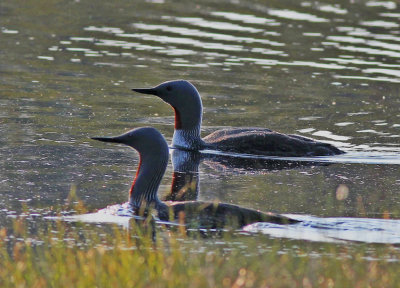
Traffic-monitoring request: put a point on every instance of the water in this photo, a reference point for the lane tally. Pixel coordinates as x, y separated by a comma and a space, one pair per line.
336, 230
322, 70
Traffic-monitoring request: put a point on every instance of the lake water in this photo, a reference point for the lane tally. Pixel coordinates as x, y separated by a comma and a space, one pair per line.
322, 70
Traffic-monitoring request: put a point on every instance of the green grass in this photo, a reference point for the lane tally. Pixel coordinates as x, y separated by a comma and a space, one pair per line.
77, 255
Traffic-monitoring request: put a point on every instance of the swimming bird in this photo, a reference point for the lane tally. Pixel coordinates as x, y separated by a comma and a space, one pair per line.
186, 101
154, 154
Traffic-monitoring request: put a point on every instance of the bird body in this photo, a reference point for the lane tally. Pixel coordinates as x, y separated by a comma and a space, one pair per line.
186, 102
219, 215
263, 141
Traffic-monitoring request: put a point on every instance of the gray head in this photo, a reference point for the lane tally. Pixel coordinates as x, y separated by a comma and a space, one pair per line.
153, 151
183, 97
146, 140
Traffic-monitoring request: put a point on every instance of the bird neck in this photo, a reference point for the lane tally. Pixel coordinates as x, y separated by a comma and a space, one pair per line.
147, 180
188, 117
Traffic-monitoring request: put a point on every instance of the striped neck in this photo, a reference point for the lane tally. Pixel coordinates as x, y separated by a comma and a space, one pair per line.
148, 177
188, 139
188, 118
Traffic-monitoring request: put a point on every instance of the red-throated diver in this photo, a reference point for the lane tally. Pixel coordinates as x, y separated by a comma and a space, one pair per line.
153, 153
186, 101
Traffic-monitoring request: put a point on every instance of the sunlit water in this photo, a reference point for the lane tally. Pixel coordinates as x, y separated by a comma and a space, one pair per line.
335, 229
318, 69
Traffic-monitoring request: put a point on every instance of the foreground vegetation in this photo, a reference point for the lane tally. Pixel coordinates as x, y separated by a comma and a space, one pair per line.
77, 255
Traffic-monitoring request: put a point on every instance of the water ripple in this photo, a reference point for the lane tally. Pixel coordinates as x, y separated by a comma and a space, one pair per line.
390, 15
379, 23
383, 71
385, 4
373, 43
246, 18
112, 30
260, 61
294, 15
355, 61
200, 22
184, 41
199, 33
379, 79
333, 8
199, 44
361, 32
370, 51
330, 135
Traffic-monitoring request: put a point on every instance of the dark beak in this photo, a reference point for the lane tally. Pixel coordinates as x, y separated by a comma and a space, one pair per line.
107, 139
150, 91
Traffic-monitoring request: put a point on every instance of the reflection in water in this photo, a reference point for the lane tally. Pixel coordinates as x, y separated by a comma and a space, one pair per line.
186, 181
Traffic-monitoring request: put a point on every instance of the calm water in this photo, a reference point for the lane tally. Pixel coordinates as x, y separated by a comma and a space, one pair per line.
323, 70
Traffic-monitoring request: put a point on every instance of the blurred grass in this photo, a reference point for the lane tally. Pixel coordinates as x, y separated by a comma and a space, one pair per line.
58, 254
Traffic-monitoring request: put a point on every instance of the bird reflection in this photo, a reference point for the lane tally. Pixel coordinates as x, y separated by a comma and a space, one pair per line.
185, 177
186, 181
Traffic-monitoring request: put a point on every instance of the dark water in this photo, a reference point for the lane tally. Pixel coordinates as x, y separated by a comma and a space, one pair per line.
323, 70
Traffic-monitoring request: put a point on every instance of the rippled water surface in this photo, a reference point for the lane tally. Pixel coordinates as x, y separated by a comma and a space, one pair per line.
318, 69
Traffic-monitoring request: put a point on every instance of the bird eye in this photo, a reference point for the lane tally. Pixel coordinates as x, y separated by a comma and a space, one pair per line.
169, 88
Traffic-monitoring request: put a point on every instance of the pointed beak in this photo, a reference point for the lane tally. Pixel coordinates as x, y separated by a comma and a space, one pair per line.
107, 139
151, 91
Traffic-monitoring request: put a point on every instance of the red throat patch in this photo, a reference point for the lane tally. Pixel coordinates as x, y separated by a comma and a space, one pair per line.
134, 181
178, 123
